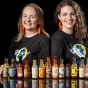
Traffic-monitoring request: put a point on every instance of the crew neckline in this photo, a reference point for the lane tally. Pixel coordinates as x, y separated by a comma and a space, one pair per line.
31, 35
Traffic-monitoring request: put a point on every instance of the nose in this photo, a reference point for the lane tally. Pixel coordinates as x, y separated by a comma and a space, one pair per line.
69, 16
28, 19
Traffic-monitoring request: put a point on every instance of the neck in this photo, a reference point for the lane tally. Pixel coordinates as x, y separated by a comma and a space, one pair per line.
68, 30
30, 33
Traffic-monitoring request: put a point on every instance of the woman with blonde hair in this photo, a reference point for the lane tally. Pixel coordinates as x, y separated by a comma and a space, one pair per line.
32, 41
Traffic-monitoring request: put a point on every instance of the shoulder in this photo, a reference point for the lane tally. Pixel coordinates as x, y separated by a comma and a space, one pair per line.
42, 37
56, 35
14, 38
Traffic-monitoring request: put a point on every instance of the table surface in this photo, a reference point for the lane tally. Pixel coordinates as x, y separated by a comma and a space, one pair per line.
43, 83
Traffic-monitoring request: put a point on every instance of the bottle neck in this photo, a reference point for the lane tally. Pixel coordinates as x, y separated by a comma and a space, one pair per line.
55, 61
34, 63
41, 62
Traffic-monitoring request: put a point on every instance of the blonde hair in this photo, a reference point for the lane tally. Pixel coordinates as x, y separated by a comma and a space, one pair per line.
81, 29
40, 16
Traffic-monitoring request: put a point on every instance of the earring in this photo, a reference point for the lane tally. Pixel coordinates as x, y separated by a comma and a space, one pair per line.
22, 28
60, 25
39, 29
75, 26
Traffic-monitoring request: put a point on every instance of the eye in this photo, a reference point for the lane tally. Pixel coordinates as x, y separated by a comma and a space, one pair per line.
64, 14
73, 14
24, 16
33, 16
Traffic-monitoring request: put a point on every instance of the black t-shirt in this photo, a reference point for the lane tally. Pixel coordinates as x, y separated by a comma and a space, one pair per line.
65, 45
34, 47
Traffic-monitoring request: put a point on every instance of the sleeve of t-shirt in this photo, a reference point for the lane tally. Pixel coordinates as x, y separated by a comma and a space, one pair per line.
56, 47
12, 49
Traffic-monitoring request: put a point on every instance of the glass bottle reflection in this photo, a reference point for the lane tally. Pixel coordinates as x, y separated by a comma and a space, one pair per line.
67, 84
5, 83
12, 83
73, 83
26, 84
61, 83
48, 83
34, 83
54, 83
81, 83
20, 83
86, 83
41, 83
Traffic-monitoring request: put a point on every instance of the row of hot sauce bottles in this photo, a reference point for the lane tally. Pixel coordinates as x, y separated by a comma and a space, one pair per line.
45, 70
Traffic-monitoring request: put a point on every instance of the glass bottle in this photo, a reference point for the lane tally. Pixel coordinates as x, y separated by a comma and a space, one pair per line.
34, 69
55, 68
86, 69
26, 68
74, 68
20, 71
81, 68
68, 67
41, 69
61, 69
12, 69
48, 68
5, 68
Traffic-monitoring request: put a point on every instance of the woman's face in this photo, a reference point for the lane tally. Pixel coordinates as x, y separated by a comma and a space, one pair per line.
29, 18
68, 17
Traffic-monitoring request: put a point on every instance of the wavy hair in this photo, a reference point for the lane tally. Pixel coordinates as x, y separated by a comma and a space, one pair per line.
81, 28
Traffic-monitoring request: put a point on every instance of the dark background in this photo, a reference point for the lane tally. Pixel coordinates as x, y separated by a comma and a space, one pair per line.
10, 11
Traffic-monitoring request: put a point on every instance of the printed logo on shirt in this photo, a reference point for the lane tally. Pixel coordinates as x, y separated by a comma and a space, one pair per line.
21, 53
79, 50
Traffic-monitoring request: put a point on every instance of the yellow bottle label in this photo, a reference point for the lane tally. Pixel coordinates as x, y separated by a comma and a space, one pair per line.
74, 71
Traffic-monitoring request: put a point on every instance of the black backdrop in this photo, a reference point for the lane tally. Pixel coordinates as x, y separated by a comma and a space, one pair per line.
10, 11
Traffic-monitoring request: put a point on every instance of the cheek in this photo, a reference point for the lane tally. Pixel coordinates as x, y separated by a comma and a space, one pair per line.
35, 22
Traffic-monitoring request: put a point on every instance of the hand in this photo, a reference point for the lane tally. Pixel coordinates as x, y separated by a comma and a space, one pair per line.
1, 69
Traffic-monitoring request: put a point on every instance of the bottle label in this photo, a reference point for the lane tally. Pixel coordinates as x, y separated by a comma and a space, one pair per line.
5, 72
67, 71
12, 72
19, 71
34, 72
48, 71
86, 72
54, 71
81, 72
41, 72
74, 71
61, 72
26, 72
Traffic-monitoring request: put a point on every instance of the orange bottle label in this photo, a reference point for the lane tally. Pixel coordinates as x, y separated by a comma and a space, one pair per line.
41, 72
